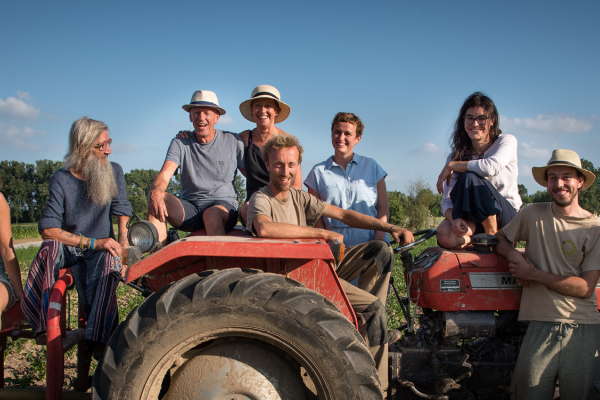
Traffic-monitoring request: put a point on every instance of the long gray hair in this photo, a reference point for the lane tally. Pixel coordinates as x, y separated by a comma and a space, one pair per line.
84, 133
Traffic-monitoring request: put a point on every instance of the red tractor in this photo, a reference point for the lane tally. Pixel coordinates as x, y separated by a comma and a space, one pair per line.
239, 317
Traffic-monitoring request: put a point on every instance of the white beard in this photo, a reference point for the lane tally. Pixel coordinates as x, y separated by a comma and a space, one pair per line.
100, 183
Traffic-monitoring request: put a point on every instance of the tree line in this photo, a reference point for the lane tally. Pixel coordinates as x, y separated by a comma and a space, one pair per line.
25, 187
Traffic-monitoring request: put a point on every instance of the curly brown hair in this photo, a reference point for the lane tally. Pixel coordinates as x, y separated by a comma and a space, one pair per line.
460, 142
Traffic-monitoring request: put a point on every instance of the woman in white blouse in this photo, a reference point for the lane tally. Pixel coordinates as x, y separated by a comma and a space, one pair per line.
479, 180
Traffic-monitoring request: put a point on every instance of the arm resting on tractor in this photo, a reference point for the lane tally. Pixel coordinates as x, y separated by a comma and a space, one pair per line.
522, 269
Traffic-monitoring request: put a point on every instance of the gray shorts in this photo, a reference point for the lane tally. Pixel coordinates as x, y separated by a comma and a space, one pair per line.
193, 215
12, 299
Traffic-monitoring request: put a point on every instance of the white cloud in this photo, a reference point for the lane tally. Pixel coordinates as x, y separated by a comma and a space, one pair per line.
17, 138
429, 148
226, 120
527, 150
126, 147
546, 123
17, 110
524, 170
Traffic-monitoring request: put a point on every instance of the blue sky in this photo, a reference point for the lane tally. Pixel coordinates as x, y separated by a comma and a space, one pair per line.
403, 67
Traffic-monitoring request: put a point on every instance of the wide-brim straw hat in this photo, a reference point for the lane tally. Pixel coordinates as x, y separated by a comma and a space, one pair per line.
566, 158
265, 92
204, 98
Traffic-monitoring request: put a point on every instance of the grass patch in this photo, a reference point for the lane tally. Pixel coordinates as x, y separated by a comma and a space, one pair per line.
394, 313
25, 231
35, 356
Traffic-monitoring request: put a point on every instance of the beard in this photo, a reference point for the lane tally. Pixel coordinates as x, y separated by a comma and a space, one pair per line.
274, 178
564, 202
100, 183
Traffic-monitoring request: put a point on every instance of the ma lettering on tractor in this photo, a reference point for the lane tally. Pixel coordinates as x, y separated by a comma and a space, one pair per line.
249, 318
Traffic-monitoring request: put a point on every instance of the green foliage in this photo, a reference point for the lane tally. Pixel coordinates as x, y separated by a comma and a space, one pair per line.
394, 313
435, 208
420, 198
25, 231
26, 256
399, 205
239, 184
138, 183
541, 196
523, 193
589, 199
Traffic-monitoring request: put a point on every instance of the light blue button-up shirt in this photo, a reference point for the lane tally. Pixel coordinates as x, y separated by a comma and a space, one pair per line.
353, 188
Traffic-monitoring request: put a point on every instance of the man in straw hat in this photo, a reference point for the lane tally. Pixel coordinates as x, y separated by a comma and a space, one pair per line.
208, 159
280, 211
559, 273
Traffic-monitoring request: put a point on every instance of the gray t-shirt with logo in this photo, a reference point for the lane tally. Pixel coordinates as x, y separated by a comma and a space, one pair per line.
208, 169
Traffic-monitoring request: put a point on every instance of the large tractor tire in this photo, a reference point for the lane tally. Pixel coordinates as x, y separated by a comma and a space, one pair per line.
236, 334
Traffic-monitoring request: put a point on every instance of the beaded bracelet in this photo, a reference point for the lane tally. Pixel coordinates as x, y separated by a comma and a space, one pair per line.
81, 242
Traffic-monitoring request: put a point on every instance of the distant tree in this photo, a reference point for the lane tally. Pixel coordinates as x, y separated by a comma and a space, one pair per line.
138, 183
523, 193
239, 184
420, 198
435, 208
541, 196
17, 187
589, 199
44, 169
399, 205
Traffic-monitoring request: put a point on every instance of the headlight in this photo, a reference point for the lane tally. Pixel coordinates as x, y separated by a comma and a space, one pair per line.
143, 235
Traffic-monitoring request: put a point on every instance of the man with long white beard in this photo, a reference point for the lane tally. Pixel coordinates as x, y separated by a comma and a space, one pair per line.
78, 233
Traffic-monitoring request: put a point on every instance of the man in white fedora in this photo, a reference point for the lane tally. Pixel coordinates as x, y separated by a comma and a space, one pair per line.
208, 160
559, 273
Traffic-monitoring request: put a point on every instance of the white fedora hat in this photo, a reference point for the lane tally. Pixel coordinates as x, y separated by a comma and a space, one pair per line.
566, 158
204, 98
265, 92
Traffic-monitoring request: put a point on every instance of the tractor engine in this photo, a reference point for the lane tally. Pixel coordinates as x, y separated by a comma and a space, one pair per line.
463, 340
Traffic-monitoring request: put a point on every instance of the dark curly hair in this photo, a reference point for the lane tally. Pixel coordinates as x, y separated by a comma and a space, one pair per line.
460, 142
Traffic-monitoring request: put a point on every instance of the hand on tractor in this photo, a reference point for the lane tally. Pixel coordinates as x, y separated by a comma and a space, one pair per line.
460, 227
331, 235
402, 236
445, 175
157, 205
183, 134
110, 245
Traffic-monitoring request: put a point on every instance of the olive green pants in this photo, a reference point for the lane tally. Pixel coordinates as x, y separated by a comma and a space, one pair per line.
563, 352
372, 262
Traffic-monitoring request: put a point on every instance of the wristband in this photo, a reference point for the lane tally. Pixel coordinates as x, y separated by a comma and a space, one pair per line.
81, 242
391, 228
87, 244
93, 244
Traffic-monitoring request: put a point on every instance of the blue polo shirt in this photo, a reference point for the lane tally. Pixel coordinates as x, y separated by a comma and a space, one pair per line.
353, 188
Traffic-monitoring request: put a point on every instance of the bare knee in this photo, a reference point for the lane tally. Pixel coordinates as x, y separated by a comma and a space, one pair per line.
244, 213
214, 220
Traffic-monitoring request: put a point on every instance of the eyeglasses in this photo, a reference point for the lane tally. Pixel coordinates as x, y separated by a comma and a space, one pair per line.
480, 119
102, 146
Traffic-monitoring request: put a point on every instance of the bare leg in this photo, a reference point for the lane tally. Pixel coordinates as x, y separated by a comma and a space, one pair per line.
3, 301
175, 218
449, 240
490, 225
214, 220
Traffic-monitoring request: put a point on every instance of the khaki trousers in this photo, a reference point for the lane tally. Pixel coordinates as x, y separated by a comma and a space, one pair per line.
372, 262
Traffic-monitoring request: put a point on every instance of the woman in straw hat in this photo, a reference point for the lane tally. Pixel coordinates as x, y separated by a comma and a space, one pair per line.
479, 180
11, 287
265, 108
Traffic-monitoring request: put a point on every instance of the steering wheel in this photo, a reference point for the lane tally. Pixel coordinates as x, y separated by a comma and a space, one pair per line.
427, 234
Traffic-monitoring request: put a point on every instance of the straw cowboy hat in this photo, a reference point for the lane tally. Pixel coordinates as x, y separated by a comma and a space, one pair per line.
566, 158
204, 98
265, 92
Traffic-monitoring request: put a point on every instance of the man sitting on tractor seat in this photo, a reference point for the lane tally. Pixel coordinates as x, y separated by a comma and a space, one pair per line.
559, 277
78, 233
280, 211
208, 159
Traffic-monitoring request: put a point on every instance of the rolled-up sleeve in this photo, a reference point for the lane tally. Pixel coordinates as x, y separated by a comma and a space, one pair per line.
54, 211
495, 162
120, 204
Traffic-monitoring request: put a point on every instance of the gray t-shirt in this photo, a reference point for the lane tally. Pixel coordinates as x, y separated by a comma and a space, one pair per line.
70, 209
208, 169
